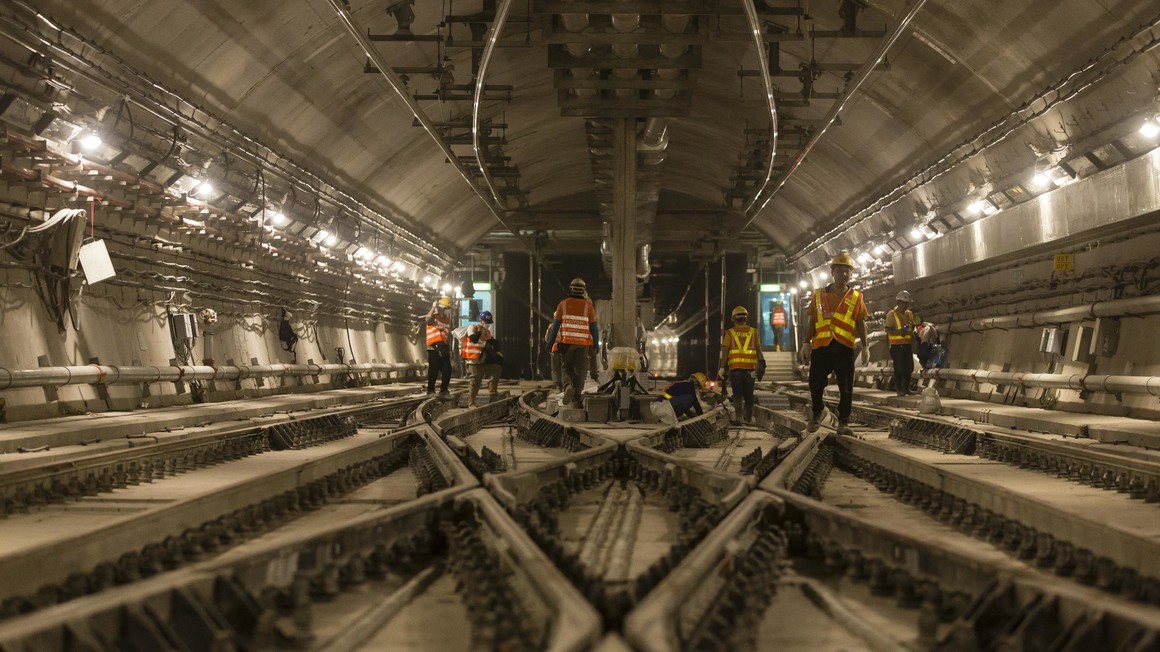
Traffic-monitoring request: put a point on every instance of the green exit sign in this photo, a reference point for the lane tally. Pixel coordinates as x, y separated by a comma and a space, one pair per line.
771, 287
481, 287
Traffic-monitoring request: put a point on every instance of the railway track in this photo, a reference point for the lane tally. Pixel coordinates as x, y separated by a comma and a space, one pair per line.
375, 525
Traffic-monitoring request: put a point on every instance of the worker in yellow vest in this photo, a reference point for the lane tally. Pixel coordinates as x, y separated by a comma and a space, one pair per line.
837, 314
740, 359
900, 332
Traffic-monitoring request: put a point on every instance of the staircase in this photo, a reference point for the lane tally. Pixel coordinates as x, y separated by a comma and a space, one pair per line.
778, 365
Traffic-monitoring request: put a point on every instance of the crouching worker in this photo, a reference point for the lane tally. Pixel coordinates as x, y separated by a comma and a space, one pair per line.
679, 400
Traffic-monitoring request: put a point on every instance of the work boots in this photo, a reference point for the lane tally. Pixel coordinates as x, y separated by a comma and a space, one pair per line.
749, 413
737, 412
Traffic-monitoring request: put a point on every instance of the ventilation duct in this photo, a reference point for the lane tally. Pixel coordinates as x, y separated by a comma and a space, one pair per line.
1106, 201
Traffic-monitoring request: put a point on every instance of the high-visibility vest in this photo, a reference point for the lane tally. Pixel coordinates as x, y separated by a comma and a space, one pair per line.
742, 353
438, 331
840, 325
900, 339
574, 322
472, 351
777, 317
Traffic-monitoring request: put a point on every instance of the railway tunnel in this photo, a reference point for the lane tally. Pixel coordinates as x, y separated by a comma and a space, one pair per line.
223, 228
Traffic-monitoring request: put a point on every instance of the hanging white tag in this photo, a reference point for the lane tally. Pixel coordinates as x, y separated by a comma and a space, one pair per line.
95, 262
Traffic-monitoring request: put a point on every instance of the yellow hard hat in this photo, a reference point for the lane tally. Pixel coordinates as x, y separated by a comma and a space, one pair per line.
444, 302
699, 379
739, 310
843, 258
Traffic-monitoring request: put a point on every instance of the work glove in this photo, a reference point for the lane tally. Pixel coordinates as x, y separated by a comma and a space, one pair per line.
804, 354
865, 356
721, 373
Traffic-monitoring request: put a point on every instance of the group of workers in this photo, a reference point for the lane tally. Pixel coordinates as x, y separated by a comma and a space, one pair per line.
836, 319
479, 349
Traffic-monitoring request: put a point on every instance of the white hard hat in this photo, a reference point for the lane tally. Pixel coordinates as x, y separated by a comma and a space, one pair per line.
903, 296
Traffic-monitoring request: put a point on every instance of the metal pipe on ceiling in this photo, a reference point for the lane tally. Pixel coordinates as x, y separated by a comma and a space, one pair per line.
176, 118
759, 47
501, 15
396, 85
912, 8
1070, 86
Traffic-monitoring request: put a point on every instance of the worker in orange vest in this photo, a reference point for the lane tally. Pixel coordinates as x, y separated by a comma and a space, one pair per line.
439, 346
837, 314
576, 333
777, 322
480, 352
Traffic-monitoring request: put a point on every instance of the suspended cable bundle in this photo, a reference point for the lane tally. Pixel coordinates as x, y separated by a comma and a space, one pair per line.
52, 249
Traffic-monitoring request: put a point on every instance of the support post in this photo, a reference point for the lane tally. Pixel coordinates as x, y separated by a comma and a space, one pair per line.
624, 234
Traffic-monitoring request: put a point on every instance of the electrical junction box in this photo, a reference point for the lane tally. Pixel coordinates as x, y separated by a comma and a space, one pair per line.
1079, 347
1105, 337
1050, 340
183, 326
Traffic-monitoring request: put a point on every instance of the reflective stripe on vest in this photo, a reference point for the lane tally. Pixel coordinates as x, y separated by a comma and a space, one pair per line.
574, 327
741, 355
437, 332
777, 317
900, 339
840, 326
474, 350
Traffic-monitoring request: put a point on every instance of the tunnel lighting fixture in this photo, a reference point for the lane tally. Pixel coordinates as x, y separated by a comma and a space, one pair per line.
1041, 180
91, 141
880, 249
382, 261
1149, 129
803, 284
323, 235
824, 275
331, 239
794, 290
426, 279
864, 258
204, 189
278, 219
362, 253
916, 233
397, 266
447, 287
977, 207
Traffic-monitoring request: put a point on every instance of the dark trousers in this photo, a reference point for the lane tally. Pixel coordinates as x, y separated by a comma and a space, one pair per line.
741, 380
438, 362
574, 367
777, 336
837, 358
903, 366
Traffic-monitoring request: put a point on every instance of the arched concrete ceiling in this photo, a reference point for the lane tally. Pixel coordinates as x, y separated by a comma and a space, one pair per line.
289, 75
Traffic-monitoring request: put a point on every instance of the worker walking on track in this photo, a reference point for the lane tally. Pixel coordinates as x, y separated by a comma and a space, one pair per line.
438, 322
575, 332
900, 332
480, 351
837, 315
740, 358
777, 322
